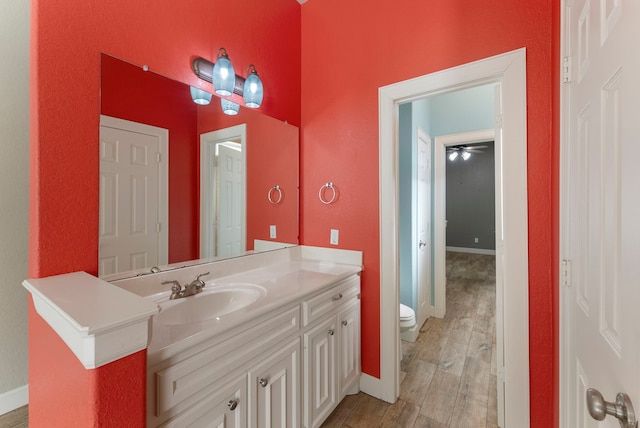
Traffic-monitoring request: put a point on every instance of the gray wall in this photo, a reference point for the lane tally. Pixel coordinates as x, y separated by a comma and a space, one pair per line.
14, 191
471, 201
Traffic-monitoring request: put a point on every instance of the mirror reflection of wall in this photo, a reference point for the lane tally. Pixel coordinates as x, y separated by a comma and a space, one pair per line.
271, 157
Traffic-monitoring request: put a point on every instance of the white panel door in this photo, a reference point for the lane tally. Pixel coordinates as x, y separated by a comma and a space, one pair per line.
423, 221
601, 225
229, 224
131, 212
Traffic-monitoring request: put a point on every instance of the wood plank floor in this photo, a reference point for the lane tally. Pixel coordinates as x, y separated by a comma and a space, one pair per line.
18, 418
449, 374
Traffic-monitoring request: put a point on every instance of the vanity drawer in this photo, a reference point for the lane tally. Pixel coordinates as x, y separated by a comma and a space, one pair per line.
322, 304
185, 378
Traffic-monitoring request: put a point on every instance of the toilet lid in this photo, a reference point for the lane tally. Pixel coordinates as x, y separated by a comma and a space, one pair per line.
406, 312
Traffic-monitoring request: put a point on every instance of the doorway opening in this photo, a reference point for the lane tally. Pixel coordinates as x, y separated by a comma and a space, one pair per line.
508, 70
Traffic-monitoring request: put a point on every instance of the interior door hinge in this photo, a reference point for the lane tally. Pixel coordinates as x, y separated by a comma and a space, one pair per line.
566, 69
565, 273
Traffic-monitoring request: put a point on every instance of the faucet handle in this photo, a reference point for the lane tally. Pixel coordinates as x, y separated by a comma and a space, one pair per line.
175, 287
200, 276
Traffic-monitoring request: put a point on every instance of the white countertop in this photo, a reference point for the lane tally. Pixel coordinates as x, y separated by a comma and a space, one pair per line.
102, 321
284, 282
82, 308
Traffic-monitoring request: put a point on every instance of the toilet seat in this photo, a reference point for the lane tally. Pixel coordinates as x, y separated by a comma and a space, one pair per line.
407, 316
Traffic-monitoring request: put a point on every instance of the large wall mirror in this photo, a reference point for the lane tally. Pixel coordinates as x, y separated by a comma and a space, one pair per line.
181, 182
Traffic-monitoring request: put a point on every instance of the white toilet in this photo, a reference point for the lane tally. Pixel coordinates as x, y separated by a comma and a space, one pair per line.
407, 318
407, 322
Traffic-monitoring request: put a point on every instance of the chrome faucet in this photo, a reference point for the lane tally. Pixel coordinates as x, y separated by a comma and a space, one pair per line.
194, 287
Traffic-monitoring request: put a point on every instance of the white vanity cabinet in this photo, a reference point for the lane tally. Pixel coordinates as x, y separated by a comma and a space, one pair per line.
320, 371
331, 349
274, 388
226, 408
289, 367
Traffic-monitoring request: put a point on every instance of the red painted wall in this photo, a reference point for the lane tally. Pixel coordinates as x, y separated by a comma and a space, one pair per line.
67, 39
350, 49
128, 92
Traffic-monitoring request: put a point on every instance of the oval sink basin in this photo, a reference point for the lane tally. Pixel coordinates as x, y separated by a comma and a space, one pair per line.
213, 302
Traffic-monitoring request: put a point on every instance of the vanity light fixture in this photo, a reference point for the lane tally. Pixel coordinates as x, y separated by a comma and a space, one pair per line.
252, 91
223, 74
229, 107
199, 96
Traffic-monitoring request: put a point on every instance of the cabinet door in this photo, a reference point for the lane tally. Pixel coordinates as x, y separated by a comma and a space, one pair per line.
274, 388
320, 376
349, 348
226, 408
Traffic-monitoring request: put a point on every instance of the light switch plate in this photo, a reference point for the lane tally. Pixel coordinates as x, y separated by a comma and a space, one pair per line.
334, 237
272, 231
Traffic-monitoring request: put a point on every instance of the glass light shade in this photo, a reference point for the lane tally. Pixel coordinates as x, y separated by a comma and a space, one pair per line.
466, 155
224, 76
253, 91
229, 107
200, 97
453, 155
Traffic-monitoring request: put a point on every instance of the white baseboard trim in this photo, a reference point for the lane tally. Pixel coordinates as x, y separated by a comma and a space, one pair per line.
472, 250
371, 385
14, 399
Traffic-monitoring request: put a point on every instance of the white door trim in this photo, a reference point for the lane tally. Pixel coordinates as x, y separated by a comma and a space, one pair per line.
510, 70
440, 212
208, 143
163, 186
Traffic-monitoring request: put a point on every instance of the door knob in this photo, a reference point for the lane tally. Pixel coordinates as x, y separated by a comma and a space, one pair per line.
263, 382
232, 404
421, 244
621, 409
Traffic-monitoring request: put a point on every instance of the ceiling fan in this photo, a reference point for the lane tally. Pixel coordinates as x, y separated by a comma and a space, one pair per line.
464, 151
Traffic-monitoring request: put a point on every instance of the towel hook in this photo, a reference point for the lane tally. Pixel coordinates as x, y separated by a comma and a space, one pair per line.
328, 185
275, 189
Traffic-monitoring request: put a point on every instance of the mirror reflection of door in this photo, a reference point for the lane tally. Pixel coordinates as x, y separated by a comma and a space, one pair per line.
228, 194
133, 196
223, 192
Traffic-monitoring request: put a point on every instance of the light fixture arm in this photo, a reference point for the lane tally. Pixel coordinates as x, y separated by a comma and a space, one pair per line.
203, 68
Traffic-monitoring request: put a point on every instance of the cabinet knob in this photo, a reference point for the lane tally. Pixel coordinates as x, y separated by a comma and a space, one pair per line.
263, 382
232, 404
338, 297
331, 332
345, 323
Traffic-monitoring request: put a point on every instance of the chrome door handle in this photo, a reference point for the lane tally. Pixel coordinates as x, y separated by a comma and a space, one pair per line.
422, 244
232, 404
263, 382
621, 409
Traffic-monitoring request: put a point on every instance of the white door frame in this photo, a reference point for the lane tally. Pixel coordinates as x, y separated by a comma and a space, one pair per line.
208, 143
509, 69
439, 209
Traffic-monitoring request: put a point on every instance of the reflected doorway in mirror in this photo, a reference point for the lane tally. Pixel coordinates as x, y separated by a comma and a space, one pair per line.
223, 192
